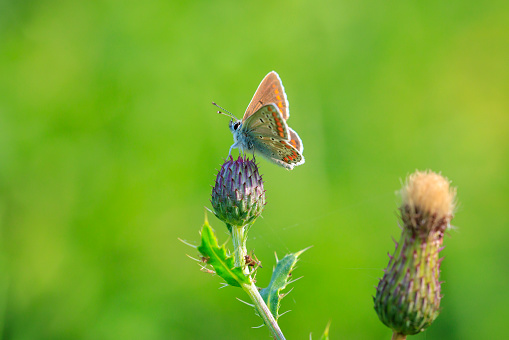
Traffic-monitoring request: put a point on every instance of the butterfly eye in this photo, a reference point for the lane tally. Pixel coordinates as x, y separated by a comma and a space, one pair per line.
236, 125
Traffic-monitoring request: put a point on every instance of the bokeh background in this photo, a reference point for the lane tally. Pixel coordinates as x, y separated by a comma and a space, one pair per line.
109, 145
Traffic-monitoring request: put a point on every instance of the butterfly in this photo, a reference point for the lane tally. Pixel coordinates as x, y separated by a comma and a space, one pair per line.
263, 129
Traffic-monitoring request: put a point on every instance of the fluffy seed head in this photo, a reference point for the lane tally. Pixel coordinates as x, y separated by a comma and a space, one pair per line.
429, 192
428, 202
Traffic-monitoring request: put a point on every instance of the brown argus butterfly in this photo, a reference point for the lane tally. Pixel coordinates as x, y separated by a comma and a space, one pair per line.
263, 129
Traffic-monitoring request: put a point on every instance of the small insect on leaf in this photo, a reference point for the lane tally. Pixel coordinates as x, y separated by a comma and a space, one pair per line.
252, 261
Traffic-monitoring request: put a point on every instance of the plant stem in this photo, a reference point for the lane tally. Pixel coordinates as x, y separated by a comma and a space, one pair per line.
239, 246
398, 336
240, 252
263, 311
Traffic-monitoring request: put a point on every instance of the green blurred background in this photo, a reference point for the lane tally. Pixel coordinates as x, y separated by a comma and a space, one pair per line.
109, 145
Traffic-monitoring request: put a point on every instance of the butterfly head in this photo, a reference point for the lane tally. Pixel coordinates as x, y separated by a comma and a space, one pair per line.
234, 125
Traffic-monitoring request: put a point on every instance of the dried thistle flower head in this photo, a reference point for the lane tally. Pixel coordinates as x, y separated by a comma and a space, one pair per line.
408, 296
427, 195
238, 197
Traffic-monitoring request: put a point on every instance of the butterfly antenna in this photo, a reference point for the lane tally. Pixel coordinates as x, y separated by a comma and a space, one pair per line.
229, 113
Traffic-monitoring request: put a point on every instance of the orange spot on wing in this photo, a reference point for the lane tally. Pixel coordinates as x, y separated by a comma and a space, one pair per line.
269, 108
280, 128
282, 134
294, 143
285, 159
278, 123
276, 91
280, 104
278, 97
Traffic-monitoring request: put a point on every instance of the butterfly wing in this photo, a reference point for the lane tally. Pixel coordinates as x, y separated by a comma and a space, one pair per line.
267, 122
264, 120
295, 140
267, 131
270, 90
279, 152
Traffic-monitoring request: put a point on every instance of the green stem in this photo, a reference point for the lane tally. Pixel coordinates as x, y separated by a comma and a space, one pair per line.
239, 246
239, 237
263, 310
398, 336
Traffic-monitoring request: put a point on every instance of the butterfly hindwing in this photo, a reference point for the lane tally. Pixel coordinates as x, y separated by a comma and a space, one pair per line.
295, 140
270, 90
280, 152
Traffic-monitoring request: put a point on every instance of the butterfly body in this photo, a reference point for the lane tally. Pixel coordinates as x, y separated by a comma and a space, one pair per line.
263, 129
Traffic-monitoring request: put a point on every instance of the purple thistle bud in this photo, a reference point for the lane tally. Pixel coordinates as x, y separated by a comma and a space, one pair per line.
408, 296
238, 197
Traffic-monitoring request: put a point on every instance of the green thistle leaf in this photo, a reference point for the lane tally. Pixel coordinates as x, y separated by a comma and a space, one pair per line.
272, 294
223, 264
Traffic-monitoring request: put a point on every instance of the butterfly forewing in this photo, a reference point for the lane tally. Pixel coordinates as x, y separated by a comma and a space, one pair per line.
268, 122
270, 90
272, 138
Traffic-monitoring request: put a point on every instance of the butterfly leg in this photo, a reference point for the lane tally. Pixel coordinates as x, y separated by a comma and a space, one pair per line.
234, 145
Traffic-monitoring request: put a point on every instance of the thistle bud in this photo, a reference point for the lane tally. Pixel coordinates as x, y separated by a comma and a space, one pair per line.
408, 296
238, 197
